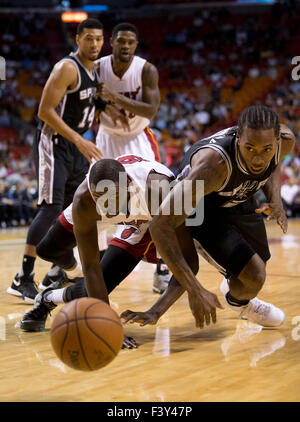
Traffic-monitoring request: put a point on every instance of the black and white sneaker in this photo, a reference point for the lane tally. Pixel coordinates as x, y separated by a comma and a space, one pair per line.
161, 278
60, 280
23, 287
49, 279
35, 319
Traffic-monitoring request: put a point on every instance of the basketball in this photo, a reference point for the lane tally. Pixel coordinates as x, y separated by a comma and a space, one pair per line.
86, 334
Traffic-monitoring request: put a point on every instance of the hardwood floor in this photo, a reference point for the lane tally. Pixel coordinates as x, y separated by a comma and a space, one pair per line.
233, 360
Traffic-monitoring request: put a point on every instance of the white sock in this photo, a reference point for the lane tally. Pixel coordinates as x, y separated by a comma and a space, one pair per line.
55, 296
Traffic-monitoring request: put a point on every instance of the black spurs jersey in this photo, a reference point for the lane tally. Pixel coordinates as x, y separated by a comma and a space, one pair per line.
77, 107
240, 184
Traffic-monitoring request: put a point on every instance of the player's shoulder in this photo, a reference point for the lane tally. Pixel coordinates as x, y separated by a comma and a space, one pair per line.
65, 66
221, 136
149, 72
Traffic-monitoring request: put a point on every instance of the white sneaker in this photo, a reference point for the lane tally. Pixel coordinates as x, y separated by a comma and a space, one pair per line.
160, 283
224, 287
258, 311
262, 313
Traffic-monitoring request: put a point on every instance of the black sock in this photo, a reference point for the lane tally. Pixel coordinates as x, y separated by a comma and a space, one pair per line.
75, 291
235, 302
27, 265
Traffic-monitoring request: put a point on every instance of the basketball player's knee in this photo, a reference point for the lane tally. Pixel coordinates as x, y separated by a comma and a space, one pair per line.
44, 252
255, 277
259, 279
49, 212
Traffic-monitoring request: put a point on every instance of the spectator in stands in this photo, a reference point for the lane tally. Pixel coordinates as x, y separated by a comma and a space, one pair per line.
5, 119
290, 194
6, 207
23, 203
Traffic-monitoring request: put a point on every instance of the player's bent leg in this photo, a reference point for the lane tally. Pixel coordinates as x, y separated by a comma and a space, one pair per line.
46, 301
240, 295
57, 246
250, 280
23, 284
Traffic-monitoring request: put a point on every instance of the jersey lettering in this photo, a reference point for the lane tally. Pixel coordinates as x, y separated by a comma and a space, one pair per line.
131, 95
130, 159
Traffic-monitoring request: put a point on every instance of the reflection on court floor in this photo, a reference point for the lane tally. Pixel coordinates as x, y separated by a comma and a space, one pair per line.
233, 360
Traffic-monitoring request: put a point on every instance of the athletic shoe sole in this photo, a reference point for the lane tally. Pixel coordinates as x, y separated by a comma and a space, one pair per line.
42, 286
31, 326
13, 292
156, 290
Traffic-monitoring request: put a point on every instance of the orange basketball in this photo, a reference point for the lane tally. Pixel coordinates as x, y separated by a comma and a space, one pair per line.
86, 334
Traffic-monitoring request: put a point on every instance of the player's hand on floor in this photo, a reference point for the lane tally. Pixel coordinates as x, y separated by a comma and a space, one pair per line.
89, 150
203, 305
129, 343
274, 210
142, 318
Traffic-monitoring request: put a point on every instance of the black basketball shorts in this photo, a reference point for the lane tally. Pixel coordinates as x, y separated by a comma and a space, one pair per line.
228, 241
60, 168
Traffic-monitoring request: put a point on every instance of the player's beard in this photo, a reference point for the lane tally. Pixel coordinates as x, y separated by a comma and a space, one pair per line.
92, 59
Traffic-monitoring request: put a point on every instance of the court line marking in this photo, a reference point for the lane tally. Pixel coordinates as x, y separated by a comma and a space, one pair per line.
12, 241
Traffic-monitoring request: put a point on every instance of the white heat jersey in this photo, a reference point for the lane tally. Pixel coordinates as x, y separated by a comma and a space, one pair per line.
138, 170
130, 85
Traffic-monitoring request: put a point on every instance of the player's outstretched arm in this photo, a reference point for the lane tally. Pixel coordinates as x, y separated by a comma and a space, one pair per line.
165, 301
85, 231
63, 77
207, 165
274, 207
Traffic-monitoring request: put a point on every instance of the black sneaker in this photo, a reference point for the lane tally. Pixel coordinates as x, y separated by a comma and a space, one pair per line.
50, 279
161, 278
35, 319
23, 287
60, 280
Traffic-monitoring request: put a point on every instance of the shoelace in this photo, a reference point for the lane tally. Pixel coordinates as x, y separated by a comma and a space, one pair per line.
39, 311
259, 307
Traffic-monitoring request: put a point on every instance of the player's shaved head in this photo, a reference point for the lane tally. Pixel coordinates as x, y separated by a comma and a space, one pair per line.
105, 169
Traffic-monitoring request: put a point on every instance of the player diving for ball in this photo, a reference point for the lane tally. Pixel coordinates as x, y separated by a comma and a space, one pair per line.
130, 204
234, 164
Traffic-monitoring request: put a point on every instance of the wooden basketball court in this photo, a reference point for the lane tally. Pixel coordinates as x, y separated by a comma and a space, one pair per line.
233, 360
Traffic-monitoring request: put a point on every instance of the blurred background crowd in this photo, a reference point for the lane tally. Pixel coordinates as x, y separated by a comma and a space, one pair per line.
213, 61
